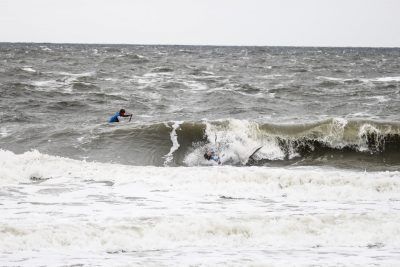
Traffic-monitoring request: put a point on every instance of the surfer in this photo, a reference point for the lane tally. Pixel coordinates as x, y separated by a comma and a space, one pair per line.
211, 155
121, 113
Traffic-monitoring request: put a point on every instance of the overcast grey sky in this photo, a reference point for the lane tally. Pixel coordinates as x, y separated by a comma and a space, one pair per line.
205, 22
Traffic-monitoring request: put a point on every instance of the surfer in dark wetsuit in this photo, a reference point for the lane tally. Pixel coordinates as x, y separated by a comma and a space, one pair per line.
210, 155
121, 113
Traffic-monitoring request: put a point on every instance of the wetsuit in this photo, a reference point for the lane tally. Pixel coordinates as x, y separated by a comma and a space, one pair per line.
215, 158
114, 118
212, 157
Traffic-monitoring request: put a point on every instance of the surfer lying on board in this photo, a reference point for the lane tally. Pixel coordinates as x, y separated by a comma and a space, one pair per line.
211, 155
121, 113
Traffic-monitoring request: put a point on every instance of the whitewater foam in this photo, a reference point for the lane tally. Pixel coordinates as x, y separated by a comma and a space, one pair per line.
29, 69
298, 180
61, 205
175, 144
364, 80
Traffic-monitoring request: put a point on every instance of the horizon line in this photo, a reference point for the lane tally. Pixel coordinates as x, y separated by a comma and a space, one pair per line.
204, 45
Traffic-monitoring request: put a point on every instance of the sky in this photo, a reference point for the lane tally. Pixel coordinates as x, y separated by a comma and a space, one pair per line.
367, 23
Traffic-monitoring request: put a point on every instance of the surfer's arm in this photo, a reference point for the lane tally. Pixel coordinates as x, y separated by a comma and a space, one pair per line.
126, 115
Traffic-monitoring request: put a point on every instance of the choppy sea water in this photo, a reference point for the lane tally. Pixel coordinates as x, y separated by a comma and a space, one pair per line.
322, 191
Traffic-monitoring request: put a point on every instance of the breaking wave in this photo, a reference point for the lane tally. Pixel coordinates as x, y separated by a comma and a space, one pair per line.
184, 143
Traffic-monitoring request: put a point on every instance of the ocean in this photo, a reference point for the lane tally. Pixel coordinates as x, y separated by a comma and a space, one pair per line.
322, 190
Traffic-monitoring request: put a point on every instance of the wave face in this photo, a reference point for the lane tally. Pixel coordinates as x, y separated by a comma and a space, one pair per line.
362, 144
335, 141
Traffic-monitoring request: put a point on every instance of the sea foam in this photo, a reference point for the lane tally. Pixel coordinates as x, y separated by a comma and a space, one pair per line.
64, 207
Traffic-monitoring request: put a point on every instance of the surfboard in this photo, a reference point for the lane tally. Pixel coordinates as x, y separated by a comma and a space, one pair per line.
255, 151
